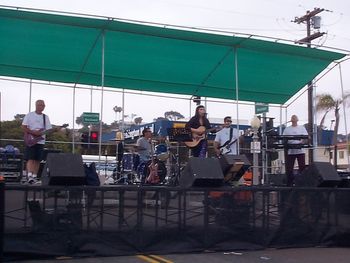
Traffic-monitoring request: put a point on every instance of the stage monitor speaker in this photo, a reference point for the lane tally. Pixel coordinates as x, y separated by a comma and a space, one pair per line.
318, 174
43, 159
201, 172
234, 166
63, 169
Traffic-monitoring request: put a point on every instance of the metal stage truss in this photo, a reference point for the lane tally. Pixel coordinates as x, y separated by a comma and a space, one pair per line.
127, 219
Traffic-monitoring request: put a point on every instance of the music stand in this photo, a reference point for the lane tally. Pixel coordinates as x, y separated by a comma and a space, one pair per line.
118, 176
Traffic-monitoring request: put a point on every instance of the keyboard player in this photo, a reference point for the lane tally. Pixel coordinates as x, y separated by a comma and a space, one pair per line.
297, 153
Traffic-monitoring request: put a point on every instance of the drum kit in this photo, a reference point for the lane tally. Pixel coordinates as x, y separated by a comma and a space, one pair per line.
133, 171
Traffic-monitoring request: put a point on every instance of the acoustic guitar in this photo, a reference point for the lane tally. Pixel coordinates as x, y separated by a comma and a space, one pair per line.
31, 139
197, 136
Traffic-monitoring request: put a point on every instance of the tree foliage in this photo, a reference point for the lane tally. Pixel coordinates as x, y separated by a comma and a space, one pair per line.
79, 120
12, 133
138, 120
326, 103
173, 115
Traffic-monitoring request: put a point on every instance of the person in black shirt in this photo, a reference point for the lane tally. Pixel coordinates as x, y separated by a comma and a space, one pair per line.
199, 124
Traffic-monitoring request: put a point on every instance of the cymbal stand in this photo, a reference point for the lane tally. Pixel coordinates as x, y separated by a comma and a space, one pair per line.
174, 164
177, 164
120, 169
178, 135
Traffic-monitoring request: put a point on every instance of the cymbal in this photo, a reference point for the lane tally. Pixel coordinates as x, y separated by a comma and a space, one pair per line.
131, 145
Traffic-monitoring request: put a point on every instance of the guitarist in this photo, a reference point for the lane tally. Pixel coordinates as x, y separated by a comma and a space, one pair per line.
198, 121
226, 139
35, 123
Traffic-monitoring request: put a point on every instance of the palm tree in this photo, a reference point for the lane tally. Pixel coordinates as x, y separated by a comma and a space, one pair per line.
117, 110
326, 103
138, 120
79, 120
173, 115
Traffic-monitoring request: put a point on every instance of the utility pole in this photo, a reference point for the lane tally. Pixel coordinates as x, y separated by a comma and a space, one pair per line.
310, 19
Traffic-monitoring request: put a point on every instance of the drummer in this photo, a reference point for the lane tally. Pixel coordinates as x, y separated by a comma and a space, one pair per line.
144, 146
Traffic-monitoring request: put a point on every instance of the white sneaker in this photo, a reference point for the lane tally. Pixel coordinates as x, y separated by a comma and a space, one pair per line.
33, 180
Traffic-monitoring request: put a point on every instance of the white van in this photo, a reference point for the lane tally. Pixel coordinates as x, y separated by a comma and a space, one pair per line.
105, 165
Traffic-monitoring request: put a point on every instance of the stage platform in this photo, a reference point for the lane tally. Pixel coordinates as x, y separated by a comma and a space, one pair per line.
49, 221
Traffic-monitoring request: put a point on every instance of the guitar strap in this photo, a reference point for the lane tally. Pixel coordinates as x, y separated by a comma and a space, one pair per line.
44, 120
229, 140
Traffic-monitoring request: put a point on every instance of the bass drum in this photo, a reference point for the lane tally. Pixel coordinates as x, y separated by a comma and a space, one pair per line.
143, 170
128, 162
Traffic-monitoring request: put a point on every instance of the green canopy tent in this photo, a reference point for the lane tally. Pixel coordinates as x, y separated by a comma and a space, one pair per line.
64, 48
106, 52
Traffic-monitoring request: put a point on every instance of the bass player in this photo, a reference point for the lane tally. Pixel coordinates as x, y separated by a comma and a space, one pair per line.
35, 123
199, 124
226, 139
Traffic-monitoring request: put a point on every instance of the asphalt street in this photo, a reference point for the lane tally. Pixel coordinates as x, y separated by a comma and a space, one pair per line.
293, 255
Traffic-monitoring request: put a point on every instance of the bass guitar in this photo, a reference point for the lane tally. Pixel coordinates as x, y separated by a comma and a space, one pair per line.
31, 139
197, 136
153, 177
225, 149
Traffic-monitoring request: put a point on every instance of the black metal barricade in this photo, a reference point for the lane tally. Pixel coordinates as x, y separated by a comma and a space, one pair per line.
119, 220
2, 215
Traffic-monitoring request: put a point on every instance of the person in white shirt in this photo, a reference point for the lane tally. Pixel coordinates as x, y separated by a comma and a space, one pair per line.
35, 123
294, 154
226, 139
144, 146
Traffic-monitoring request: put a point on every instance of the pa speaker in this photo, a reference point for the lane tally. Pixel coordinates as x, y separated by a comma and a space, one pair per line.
318, 174
201, 172
63, 169
234, 166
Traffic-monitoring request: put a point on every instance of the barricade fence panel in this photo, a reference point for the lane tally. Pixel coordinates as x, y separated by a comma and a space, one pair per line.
165, 219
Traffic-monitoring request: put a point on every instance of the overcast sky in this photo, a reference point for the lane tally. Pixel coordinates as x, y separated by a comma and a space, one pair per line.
270, 18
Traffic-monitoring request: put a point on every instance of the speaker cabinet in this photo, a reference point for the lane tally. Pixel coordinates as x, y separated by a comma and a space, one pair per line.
201, 172
234, 166
318, 174
277, 179
63, 169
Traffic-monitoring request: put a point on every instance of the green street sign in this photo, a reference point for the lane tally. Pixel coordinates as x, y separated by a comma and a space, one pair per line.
91, 118
261, 108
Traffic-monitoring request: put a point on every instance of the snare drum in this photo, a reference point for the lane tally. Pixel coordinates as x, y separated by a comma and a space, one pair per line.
143, 170
161, 151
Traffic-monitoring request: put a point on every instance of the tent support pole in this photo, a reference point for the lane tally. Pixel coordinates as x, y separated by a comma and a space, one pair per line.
344, 112
102, 93
237, 95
